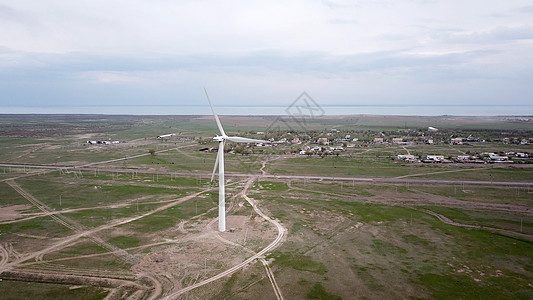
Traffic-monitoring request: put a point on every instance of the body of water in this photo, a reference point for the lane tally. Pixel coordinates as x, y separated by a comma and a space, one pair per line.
404, 110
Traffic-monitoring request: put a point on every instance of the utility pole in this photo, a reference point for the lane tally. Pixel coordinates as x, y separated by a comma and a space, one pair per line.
245, 234
521, 223
59, 200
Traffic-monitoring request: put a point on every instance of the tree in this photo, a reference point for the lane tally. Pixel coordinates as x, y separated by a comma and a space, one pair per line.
151, 151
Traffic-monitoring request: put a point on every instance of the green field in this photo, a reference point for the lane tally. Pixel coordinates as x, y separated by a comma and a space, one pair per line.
91, 233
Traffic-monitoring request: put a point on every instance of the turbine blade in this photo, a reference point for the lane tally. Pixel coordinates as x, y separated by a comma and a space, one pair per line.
238, 139
215, 114
216, 166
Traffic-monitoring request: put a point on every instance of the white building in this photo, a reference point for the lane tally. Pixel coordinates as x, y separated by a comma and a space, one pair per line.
463, 157
397, 141
522, 155
407, 157
456, 141
164, 136
435, 157
496, 157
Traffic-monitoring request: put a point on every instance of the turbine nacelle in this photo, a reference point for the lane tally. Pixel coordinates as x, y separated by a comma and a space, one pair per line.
219, 138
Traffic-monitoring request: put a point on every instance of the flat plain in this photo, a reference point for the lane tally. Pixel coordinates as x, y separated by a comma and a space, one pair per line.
137, 219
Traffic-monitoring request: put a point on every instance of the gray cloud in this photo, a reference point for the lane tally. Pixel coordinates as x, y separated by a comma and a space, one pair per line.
343, 21
496, 35
54, 51
247, 62
526, 9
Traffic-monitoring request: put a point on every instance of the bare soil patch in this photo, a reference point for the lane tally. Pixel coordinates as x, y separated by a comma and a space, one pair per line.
12, 212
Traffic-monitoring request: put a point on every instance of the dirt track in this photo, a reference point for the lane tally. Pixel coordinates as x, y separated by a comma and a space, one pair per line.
275, 243
54, 277
422, 198
7, 269
448, 221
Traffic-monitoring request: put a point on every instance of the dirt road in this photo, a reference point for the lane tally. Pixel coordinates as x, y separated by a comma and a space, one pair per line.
510, 233
275, 243
371, 180
64, 242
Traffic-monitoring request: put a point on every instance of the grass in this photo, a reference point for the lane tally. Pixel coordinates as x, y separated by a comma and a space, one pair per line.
190, 159
12, 290
335, 244
298, 262
125, 242
368, 212
38, 227
92, 191
383, 248
393, 255
486, 174
96, 217
502, 220
465, 287
339, 166
345, 188
319, 292
10, 197
385, 167
86, 247
506, 195
271, 186
226, 291
170, 217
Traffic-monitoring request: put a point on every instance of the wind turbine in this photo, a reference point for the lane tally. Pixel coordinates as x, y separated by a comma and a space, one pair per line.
221, 139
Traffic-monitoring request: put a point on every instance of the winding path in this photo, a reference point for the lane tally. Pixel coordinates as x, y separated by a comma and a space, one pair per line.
505, 232
275, 243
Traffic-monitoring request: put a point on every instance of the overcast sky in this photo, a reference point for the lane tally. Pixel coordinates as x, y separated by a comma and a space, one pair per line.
164, 52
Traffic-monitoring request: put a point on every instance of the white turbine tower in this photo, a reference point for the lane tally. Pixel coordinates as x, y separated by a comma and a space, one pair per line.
221, 139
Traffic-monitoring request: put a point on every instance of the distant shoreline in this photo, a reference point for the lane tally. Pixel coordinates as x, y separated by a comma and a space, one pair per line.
517, 118
295, 109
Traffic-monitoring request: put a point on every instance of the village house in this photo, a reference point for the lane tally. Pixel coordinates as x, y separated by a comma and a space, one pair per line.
456, 141
323, 141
